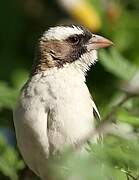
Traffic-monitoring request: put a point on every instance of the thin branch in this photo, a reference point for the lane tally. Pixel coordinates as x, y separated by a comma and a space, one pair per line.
119, 104
129, 175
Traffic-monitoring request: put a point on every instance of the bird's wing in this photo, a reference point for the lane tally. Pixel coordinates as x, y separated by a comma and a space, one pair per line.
98, 119
95, 111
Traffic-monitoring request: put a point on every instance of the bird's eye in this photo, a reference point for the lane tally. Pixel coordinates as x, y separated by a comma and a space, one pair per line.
74, 39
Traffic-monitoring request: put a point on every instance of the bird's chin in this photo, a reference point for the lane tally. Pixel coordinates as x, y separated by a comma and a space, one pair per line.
93, 55
86, 60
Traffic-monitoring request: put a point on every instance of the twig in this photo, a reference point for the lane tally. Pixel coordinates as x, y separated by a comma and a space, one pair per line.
129, 175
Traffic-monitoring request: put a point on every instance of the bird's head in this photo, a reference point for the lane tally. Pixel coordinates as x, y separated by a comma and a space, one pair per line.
68, 45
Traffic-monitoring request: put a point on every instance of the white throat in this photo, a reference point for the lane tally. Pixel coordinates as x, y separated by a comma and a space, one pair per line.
76, 68
85, 61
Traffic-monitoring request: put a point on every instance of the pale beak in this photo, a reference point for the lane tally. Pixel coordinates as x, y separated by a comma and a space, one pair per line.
97, 42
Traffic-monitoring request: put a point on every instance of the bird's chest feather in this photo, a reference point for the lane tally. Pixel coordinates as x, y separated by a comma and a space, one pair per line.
71, 116
58, 106
53, 111
69, 107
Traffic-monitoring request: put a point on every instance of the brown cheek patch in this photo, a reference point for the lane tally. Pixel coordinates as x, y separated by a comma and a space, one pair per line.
55, 53
61, 49
58, 50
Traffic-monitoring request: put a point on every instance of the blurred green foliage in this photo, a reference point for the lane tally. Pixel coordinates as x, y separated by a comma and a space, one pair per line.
22, 22
10, 163
114, 160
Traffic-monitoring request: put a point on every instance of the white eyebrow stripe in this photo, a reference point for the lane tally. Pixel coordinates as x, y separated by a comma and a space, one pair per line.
61, 32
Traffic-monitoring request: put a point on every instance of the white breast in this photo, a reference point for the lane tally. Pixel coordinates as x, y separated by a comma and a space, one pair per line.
61, 97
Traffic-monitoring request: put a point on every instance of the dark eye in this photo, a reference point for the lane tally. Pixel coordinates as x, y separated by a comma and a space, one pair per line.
74, 39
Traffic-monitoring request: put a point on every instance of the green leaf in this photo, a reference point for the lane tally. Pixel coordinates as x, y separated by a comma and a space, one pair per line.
7, 95
19, 78
10, 162
116, 64
126, 117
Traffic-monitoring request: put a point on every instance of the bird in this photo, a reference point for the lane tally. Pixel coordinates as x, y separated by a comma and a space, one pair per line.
55, 109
